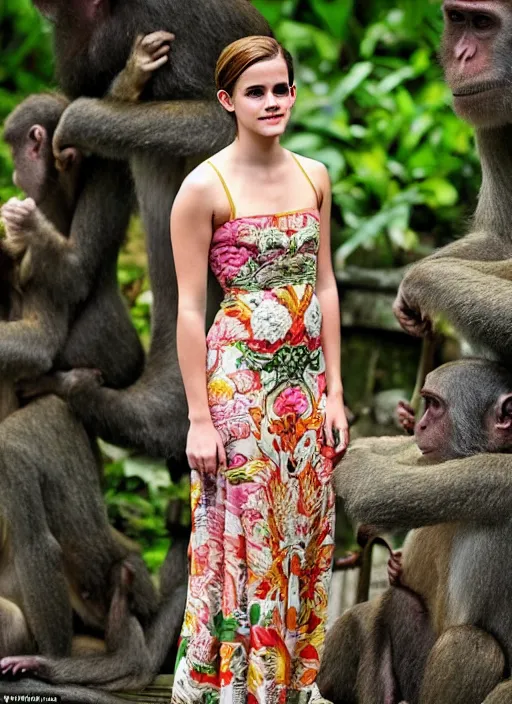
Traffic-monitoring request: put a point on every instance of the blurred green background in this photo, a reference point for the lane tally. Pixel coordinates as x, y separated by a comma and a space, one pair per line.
371, 105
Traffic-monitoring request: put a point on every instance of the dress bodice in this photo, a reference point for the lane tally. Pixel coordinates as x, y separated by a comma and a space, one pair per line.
263, 252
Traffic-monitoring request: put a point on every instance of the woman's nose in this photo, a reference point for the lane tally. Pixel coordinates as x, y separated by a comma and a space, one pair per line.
271, 101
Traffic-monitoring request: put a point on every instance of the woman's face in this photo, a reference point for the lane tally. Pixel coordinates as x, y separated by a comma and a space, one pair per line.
262, 98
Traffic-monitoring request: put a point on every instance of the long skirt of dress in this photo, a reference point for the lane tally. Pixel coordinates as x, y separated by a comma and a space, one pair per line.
262, 542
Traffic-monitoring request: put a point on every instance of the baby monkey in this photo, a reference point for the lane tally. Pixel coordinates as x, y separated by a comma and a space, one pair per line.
22, 218
62, 242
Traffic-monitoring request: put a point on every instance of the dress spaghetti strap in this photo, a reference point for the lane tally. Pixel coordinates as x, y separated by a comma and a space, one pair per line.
225, 186
308, 178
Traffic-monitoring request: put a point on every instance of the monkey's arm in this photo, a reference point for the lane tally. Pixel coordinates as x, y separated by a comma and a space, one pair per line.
126, 664
400, 492
480, 246
118, 130
42, 240
28, 347
68, 266
392, 445
441, 286
125, 87
502, 694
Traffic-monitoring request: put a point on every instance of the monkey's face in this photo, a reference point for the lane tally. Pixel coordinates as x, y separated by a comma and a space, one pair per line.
35, 172
29, 174
476, 54
262, 98
434, 429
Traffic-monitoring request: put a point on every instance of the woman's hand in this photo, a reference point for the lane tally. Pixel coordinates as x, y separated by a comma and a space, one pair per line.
205, 451
336, 424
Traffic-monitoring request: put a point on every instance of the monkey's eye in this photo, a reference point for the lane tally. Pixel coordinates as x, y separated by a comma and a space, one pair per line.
455, 17
482, 22
432, 403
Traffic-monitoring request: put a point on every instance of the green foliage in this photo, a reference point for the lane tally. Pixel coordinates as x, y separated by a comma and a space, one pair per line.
138, 490
372, 105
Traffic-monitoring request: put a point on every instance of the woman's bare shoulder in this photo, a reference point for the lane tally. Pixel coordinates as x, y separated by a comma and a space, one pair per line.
312, 166
318, 174
203, 180
200, 181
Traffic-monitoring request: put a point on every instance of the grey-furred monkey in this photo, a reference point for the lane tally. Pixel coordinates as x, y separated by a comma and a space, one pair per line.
70, 309
72, 313
58, 554
133, 654
445, 635
470, 281
177, 122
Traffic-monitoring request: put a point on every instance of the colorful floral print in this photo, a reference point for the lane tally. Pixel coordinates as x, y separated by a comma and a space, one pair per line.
262, 529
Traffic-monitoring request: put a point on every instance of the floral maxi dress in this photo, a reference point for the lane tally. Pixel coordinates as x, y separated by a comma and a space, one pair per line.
262, 528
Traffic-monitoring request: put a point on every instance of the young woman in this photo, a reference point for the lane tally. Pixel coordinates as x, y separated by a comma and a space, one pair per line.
265, 398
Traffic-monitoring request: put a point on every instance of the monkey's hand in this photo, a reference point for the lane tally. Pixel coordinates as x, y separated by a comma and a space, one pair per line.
395, 568
79, 379
149, 52
21, 663
20, 218
410, 317
62, 384
406, 417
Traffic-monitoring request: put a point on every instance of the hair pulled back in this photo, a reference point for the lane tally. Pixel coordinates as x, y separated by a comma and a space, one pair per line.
239, 55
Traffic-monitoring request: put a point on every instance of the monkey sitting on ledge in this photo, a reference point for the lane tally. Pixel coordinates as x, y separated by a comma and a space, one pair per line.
445, 635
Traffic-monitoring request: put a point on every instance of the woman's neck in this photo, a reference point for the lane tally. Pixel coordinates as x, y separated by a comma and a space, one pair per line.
250, 149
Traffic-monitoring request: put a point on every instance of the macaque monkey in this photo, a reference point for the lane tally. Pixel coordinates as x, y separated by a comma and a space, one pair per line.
444, 634
469, 281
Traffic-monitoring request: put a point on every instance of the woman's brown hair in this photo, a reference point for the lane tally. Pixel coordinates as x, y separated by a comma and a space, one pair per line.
238, 56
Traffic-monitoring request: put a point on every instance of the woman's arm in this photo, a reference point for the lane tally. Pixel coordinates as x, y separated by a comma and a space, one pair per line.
327, 293
191, 233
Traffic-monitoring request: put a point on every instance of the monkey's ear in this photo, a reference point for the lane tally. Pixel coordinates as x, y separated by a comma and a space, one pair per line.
68, 158
504, 420
37, 136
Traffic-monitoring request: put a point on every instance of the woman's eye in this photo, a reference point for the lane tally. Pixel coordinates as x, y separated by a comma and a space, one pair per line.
281, 90
255, 93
